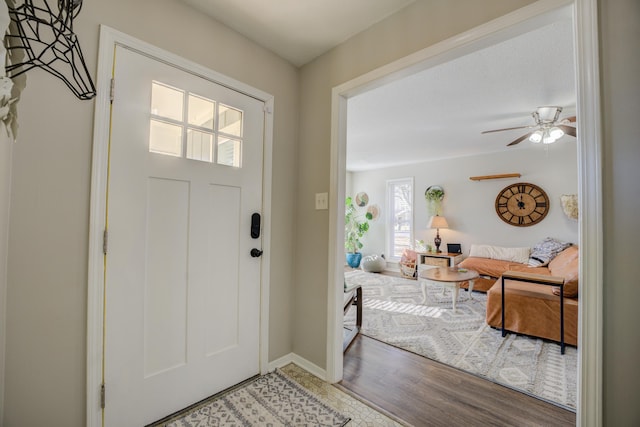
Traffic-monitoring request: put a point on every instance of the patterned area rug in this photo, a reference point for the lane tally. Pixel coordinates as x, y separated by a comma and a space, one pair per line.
393, 314
269, 400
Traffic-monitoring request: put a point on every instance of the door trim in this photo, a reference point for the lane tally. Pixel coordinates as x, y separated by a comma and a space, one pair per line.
109, 38
585, 14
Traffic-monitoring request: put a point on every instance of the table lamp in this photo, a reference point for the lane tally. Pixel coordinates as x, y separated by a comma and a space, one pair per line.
437, 222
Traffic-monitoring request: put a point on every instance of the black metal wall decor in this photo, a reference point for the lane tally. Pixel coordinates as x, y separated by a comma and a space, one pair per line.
45, 37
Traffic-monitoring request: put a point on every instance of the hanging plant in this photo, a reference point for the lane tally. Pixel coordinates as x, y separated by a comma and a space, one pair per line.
434, 196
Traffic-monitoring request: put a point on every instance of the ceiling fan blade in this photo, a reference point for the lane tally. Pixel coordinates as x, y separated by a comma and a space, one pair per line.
519, 140
571, 119
500, 130
569, 130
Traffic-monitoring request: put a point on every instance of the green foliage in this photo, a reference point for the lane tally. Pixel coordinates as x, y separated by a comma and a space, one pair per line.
356, 226
434, 196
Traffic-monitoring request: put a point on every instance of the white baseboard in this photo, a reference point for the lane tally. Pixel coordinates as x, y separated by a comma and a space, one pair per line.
300, 361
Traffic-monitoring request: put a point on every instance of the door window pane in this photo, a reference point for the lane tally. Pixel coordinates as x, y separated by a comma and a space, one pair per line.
165, 138
201, 111
166, 101
229, 152
199, 146
187, 125
229, 120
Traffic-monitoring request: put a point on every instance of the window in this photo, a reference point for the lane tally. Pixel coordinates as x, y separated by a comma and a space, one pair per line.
184, 125
400, 218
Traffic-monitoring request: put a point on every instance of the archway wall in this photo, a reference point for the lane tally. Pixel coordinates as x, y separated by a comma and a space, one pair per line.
416, 27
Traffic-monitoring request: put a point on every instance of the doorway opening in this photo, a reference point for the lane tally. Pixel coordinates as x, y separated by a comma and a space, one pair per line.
588, 178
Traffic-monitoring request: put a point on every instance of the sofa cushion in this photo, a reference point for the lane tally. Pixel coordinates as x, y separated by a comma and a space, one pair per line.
525, 268
532, 310
546, 250
566, 265
485, 266
495, 267
520, 255
481, 284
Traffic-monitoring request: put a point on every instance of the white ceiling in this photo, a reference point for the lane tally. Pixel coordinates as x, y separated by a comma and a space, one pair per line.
299, 30
441, 112
437, 113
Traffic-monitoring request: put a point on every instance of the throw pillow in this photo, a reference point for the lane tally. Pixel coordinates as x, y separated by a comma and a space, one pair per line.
520, 255
546, 250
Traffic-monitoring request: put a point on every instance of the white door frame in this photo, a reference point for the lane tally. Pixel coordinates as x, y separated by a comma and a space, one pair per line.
589, 404
109, 38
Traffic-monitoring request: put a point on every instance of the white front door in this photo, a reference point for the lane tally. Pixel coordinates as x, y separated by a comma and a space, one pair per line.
182, 311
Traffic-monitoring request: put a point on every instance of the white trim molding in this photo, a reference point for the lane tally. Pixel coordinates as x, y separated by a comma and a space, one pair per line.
589, 412
300, 361
590, 308
109, 39
337, 180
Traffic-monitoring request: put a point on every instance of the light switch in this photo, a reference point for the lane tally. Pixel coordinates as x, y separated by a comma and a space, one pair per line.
322, 201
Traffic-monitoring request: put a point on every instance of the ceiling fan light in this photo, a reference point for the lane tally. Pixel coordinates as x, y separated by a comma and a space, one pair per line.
536, 136
547, 138
556, 133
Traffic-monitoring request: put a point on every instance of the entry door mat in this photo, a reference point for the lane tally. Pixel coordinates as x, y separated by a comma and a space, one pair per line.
393, 314
268, 400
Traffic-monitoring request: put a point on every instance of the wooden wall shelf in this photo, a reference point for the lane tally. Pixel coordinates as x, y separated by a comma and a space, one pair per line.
504, 175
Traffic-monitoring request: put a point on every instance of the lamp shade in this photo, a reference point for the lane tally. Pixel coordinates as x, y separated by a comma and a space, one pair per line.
437, 221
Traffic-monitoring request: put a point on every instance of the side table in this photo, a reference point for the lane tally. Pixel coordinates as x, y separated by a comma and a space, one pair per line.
442, 259
427, 260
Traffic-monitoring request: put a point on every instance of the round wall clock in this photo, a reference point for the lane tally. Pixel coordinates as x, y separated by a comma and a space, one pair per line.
522, 204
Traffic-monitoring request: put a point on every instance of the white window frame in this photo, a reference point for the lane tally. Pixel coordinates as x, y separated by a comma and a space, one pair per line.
389, 234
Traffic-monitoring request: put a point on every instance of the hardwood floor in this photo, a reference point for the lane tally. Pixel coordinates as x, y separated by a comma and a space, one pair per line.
423, 392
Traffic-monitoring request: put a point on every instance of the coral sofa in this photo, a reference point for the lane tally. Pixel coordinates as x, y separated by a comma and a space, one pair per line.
532, 309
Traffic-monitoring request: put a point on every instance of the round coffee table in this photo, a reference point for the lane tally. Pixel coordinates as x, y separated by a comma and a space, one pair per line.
450, 277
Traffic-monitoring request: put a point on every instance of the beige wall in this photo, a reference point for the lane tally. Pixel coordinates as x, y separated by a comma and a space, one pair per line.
46, 322
6, 150
420, 25
620, 77
48, 243
469, 206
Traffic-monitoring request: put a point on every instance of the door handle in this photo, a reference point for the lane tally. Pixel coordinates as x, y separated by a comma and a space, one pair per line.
255, 252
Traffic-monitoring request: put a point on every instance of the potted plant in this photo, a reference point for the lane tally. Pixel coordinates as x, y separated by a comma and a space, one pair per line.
356, 226
434, 196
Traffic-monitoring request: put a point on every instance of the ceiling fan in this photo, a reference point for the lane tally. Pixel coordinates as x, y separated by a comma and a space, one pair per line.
548, 127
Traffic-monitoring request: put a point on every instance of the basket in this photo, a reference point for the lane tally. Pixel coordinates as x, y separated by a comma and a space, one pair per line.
408, 269
408, 264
